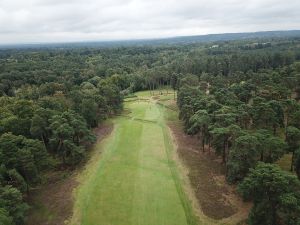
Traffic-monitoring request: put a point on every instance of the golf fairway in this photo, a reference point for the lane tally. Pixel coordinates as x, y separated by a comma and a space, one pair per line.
135, 181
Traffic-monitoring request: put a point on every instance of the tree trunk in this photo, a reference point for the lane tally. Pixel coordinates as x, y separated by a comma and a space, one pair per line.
274, 129
153, 89
64, 159
44, 141
209, 144
274, 219
77, 140
262, 156
167, 88
27, 188
160, 86
292, 162
203, 142
226, 149
59, 145
286, 124
224, 152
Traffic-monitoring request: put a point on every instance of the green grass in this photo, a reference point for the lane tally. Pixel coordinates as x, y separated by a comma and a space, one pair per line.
135, 179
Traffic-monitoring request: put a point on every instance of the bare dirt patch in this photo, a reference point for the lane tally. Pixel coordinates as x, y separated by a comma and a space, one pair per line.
217, 199
102, 131
52, 202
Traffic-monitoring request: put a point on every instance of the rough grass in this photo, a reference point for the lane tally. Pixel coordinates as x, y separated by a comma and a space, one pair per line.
135, 181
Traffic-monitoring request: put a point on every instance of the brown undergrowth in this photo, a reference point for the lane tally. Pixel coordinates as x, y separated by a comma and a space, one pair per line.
217, 199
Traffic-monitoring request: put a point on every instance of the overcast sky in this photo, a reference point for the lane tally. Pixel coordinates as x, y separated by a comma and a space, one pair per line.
26, 21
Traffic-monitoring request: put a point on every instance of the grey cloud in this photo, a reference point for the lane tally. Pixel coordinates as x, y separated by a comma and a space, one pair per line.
75, 20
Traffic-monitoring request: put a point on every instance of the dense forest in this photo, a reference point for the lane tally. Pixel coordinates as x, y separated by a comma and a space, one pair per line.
240, 98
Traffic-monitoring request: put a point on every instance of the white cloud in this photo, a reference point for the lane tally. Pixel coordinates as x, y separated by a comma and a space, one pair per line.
75, 20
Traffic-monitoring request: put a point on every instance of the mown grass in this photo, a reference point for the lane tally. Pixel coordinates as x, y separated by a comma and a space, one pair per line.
135, 180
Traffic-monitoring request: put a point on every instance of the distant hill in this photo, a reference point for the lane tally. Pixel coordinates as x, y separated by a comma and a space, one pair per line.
164, 41
234, 36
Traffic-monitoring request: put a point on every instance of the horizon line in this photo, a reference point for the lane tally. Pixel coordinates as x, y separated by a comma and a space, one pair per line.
133, 39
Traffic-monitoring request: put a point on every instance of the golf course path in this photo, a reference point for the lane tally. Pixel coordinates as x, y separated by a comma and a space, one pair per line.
135, 181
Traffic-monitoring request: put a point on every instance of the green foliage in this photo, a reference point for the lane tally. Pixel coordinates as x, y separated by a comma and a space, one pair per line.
69, 130
14, 178
242, 157
271, 147
293, 138
275, 194
11, 201
199, 123
5, 219
40, 124
24, 155
297, 163
293, 141
89, 109
263, 115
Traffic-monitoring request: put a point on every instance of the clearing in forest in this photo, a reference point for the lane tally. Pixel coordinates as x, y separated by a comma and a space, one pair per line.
135, 180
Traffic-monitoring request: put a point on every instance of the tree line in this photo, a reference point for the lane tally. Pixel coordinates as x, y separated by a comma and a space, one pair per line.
250, 121
45, 127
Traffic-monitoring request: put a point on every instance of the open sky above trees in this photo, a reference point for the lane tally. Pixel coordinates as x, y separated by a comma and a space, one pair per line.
74, 20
